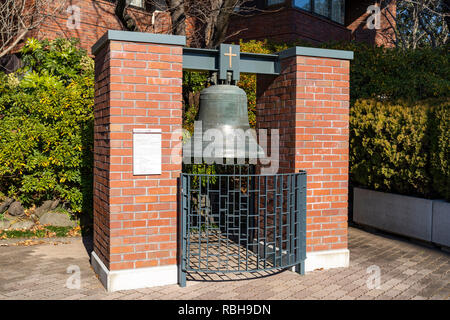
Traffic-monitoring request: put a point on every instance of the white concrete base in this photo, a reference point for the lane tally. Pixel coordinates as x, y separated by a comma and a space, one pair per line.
134, 278
327, 259
158, 276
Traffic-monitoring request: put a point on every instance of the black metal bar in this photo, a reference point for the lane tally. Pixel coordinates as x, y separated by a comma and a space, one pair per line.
289, 214
275, 210
265, 224
207, 212
280, 249
183, 233
221, 212
258, 221
199, 220
189, 226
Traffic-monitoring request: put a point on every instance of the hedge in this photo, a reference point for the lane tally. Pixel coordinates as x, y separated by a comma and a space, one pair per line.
387, 74
390, 74
401, 148
384, 74
46, 127
440, 150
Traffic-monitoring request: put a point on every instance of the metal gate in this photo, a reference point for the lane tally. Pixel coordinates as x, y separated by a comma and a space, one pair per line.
242, 223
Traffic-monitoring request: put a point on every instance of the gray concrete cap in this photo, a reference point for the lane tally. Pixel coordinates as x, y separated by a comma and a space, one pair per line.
132, 36
316, 52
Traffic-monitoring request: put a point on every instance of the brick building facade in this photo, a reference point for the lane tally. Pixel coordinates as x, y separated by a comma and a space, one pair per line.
282, 21
301, 19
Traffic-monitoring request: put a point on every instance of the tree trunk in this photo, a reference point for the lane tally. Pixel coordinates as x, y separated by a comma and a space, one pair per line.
447, 11
222, 22
178, 16
121, 12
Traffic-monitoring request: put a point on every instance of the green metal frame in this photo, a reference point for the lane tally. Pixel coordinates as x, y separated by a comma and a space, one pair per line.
218, 60
252, 223
195, 59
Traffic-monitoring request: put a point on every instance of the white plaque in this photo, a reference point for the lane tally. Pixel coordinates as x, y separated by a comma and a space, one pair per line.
146, 151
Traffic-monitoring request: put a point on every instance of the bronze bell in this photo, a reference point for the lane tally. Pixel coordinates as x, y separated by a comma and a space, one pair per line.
225, 126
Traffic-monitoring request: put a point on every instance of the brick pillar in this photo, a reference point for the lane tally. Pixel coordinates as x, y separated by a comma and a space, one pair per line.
138, 86
309, 103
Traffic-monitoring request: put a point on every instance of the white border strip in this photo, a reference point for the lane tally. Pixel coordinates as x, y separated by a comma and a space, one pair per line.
327, 259
134, 278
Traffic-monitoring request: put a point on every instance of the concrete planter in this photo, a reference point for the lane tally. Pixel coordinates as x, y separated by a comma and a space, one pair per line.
418, 218
408, 216
441, 223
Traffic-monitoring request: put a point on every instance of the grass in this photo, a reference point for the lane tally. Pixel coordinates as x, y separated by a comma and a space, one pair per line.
40, 232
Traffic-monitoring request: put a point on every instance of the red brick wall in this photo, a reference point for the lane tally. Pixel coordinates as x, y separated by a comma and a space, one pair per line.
356, 21
102, 156
309, 103
289, 24
96, 17
138, 86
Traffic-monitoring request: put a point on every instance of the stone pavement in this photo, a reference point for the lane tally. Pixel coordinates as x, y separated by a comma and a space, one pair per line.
407, 270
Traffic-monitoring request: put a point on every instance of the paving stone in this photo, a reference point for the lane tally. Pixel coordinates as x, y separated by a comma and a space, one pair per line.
408, 271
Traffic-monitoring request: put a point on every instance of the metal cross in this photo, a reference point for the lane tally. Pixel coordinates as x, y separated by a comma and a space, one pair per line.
231, 55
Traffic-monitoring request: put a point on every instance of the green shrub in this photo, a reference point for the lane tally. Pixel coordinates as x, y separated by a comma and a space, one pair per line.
390, 74
386, 74
193, 83
440, 150
46, 127
400, 148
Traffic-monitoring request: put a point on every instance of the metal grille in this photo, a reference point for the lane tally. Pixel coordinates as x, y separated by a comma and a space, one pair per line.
242, 222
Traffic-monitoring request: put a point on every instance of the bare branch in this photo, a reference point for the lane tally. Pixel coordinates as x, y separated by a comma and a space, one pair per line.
418, 22
18, 17
121, 12
207, 21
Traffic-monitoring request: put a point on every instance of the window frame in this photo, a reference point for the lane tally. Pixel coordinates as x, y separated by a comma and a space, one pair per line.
284, 2
311, 11
144, 5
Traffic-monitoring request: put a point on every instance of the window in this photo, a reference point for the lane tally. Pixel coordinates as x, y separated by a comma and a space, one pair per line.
331, 9
273, 2
303, 4
338, 11
136, 3
321, 7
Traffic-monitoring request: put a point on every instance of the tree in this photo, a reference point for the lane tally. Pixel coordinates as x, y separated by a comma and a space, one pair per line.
210, 18
418, 23
18, 17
